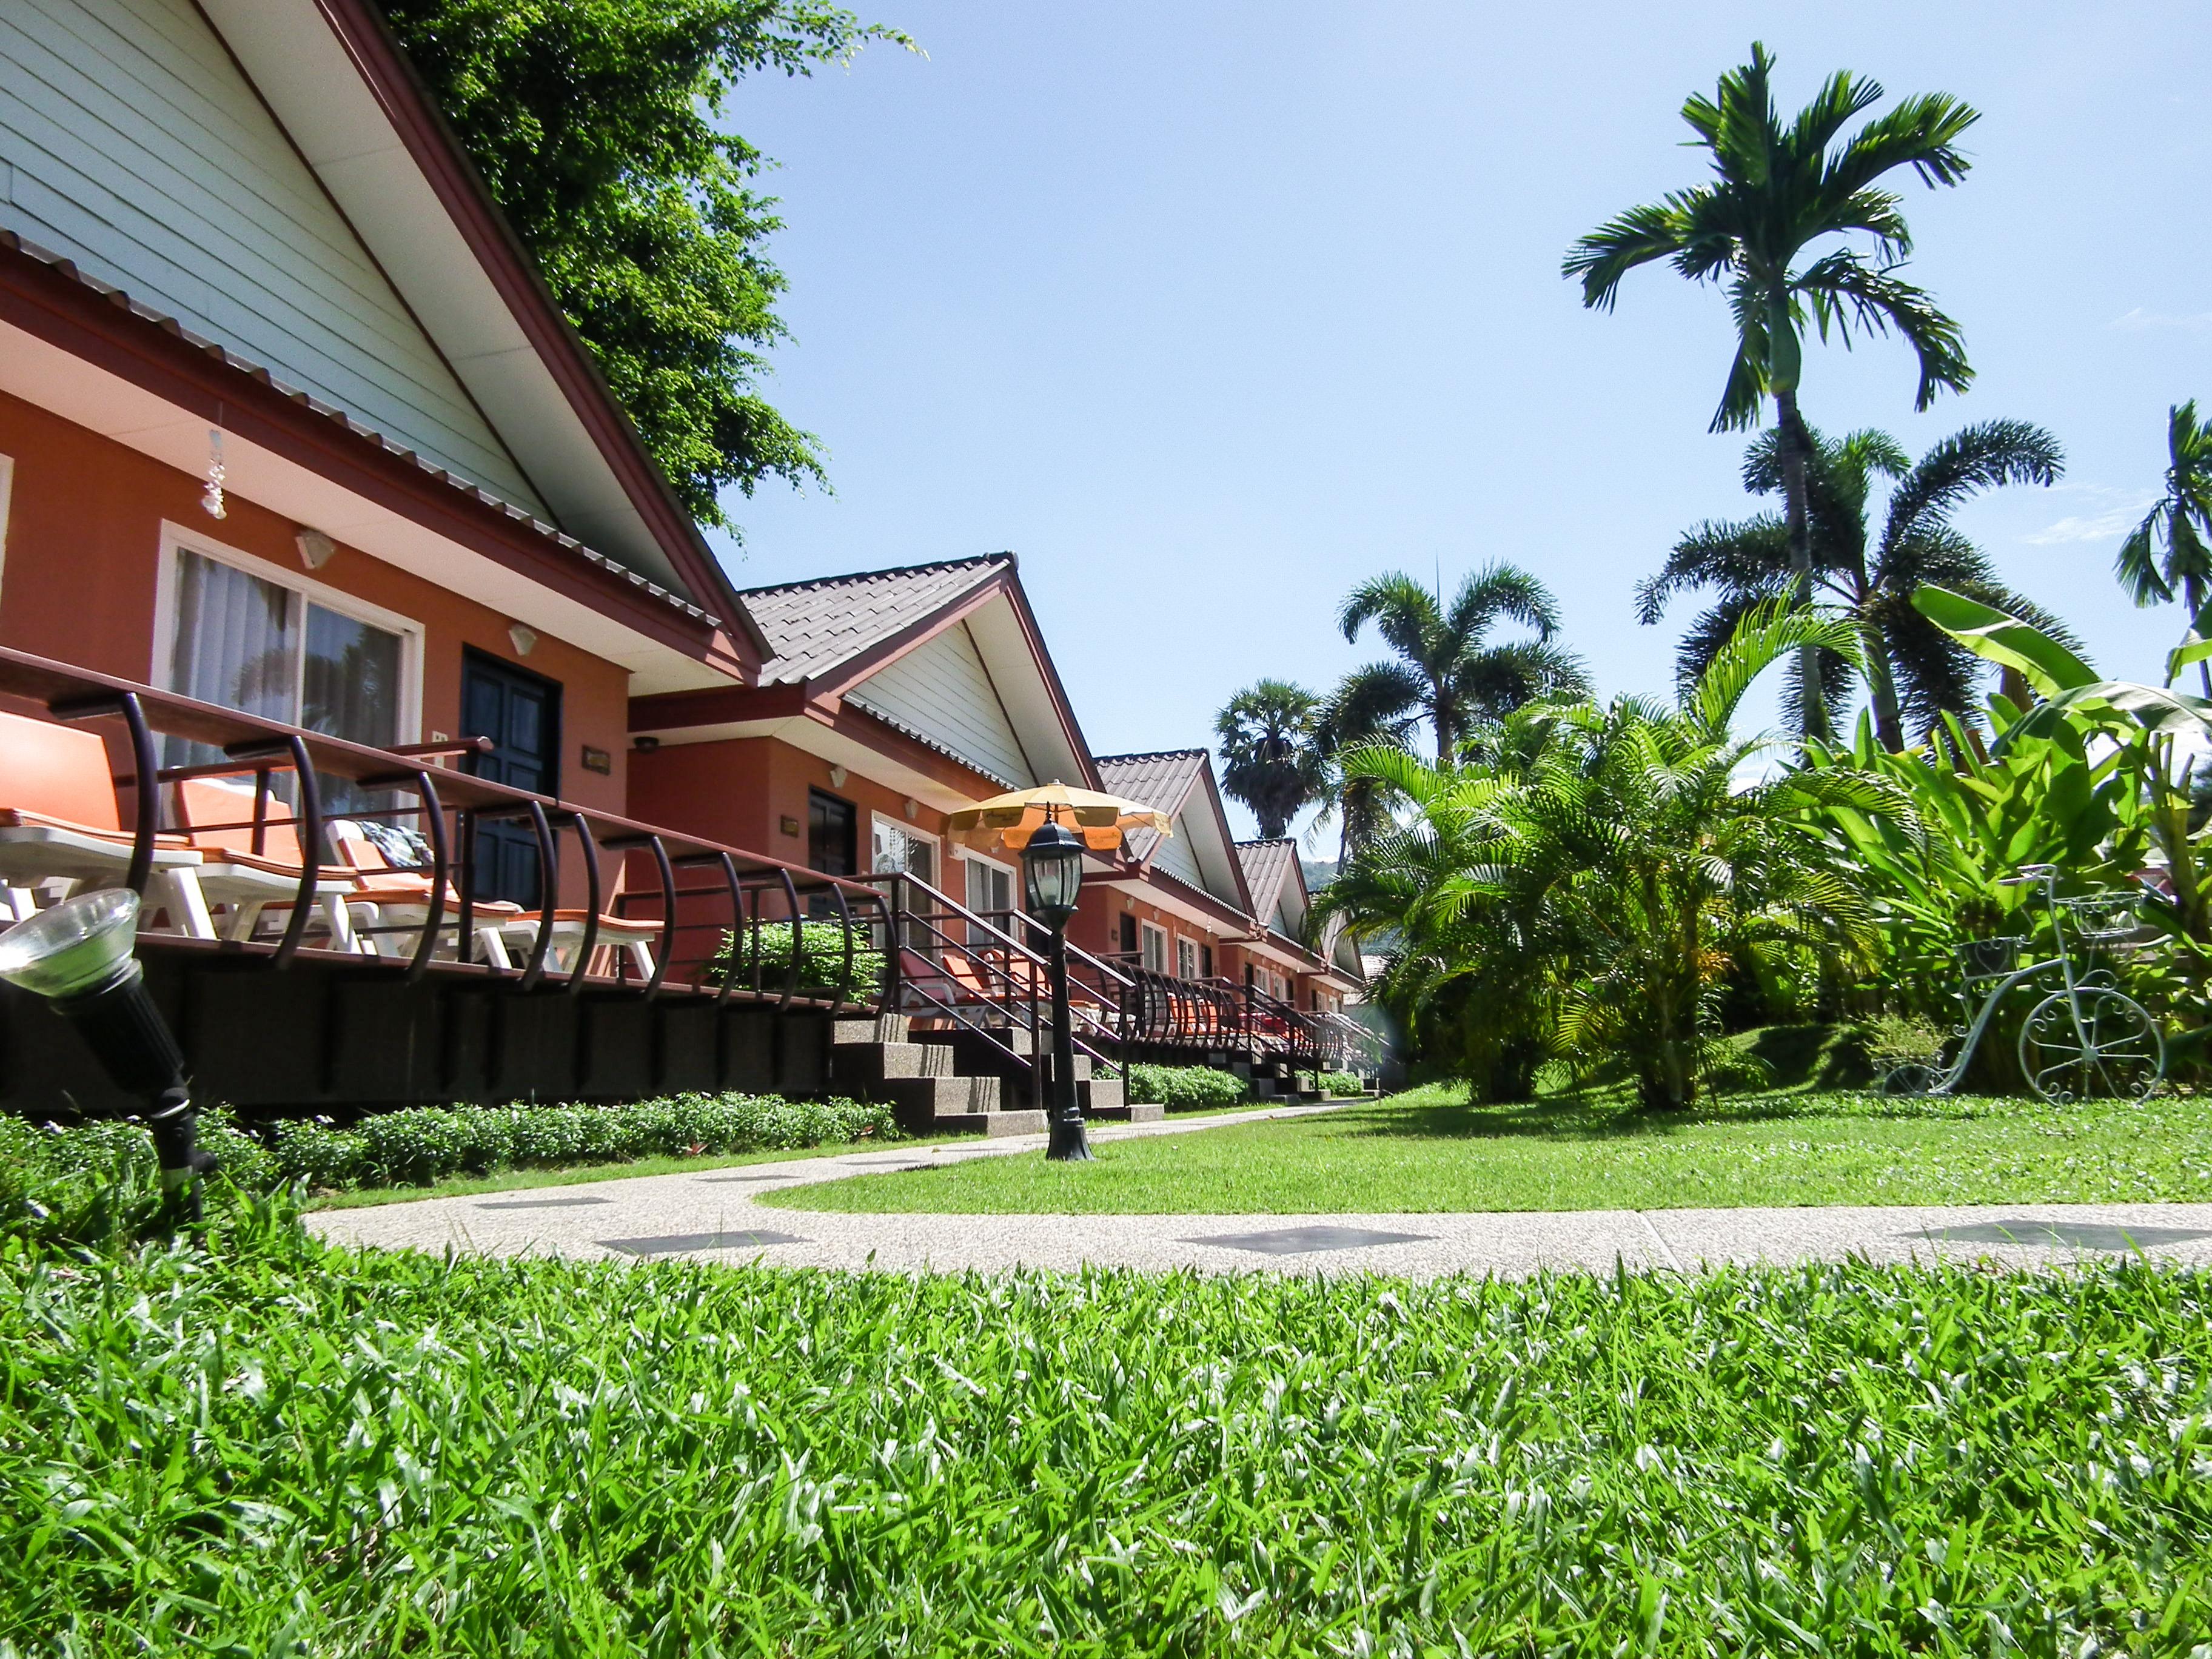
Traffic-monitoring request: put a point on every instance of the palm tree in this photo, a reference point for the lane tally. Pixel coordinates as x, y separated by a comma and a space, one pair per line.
1776, 191
1448, 672
1269, 760
1365, 711
2182, 518
1913, 670
1610, 870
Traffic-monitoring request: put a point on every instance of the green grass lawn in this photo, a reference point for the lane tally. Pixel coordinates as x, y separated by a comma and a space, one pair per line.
1428, 1150
269, 1446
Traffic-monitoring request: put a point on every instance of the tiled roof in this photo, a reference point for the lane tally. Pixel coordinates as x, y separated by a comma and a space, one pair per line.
223, 354
812, 626
1161, 782
1266, 863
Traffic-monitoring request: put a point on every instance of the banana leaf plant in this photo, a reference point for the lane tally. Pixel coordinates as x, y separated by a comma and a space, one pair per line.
2150, 730
1975, 814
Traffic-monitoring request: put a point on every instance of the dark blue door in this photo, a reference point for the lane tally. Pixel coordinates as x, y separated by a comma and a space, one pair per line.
521, 714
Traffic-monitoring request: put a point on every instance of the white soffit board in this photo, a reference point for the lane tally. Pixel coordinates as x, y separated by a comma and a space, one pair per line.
69, 386
303, 72
135, 147
942, 690
1004, 645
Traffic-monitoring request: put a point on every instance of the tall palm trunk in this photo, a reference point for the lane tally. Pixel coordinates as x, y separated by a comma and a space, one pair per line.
1796, 449
1881, 686
1440, 716
2193, 593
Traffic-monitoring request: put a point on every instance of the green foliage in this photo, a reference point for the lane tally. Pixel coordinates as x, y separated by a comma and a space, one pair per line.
1936, 873
1914, 672
2181, 519
1270, 757
1186, 1088
761, 958
1591, 885
1448, 671
599, 127
2089, 778
1777, 189
426, 1143
1341, 1083
274, 1446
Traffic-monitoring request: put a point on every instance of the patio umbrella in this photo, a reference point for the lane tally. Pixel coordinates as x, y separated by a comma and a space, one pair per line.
1009, 821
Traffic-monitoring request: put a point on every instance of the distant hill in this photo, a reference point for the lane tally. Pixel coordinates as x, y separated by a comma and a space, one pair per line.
1318, 873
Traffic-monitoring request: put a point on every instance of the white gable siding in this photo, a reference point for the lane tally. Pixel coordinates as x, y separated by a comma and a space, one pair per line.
130, 142
943, 692
1177, 858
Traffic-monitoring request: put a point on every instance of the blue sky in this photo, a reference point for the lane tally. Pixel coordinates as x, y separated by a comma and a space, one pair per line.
1210, 311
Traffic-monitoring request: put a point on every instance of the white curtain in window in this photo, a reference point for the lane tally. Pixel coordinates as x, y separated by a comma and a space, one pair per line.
235, 644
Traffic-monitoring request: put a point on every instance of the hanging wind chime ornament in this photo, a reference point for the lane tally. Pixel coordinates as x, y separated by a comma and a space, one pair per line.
211, 498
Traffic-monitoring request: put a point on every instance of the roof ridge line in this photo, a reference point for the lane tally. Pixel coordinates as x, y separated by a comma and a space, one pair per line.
887, 570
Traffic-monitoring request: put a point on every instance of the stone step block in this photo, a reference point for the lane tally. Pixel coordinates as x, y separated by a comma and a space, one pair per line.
860, 1064
884, 1027
924, 1104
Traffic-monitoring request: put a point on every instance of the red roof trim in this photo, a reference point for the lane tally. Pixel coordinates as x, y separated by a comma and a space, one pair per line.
100, 327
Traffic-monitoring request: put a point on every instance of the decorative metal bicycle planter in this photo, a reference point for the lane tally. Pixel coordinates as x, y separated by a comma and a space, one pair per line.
2086, 1038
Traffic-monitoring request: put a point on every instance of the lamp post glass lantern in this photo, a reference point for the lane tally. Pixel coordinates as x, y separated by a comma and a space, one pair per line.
1052, 880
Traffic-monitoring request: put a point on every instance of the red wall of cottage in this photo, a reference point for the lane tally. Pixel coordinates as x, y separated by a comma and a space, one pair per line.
83, 541
744, 791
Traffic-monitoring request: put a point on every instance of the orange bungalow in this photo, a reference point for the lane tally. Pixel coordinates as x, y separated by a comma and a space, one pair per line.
345, 617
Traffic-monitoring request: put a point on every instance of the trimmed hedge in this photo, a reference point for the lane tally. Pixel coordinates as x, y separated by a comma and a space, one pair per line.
98, 1180
1186, 1088
427, 1144
1341, 1083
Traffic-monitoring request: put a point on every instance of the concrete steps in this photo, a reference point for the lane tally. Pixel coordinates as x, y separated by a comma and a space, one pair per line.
944, 1082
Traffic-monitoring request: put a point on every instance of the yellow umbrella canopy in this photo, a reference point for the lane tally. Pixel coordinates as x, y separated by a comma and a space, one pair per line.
1009, 821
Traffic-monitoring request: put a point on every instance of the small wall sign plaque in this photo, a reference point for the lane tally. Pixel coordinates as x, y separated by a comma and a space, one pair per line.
598, 760
788, 824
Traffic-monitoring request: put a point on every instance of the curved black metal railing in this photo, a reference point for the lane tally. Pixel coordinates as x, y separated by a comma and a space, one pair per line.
752, 896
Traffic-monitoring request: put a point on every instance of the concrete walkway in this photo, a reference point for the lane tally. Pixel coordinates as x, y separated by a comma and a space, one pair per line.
710, 1215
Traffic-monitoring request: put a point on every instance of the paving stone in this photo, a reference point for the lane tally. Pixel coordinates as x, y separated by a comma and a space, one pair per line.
1299, 1241
2061, 1235
545, 1203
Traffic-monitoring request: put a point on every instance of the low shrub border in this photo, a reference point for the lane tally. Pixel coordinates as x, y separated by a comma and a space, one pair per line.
63, 1172
1186, 1088
1341, 1083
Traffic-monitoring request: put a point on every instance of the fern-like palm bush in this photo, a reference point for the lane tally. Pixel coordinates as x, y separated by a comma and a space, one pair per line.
1592, 887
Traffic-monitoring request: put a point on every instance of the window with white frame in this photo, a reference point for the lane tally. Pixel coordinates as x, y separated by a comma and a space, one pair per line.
1186, 957
1155, 948
245, 633
897, 848
992, 892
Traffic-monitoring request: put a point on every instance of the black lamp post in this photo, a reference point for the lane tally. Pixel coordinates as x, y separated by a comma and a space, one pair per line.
1052, 879
77, 955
